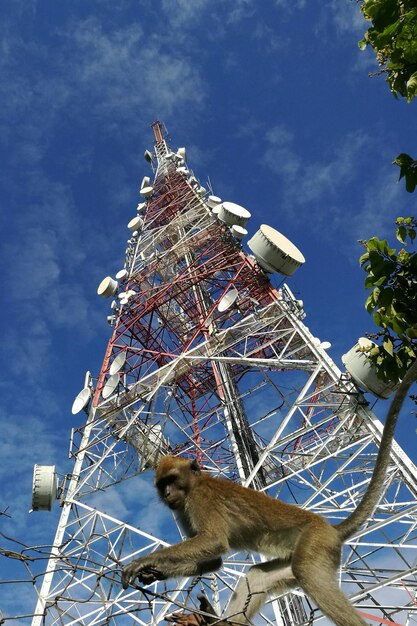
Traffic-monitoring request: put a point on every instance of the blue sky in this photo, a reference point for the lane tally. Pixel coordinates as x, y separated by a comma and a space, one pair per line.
272, 100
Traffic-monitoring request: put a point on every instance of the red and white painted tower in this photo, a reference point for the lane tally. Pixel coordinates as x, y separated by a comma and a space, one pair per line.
208, 359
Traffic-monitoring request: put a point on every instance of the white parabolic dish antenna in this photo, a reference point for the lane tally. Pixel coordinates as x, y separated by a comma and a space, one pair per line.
231, 213
81, 400
228, 300
146, 191
110, 385
274, 252
122, 274
118, 363
363, 371
213, 201
136, 223
44, 487
107, 287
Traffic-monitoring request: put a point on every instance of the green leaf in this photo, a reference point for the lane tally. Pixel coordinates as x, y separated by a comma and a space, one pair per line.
388, 346
363, 258
412, 86
401, 233
410, 180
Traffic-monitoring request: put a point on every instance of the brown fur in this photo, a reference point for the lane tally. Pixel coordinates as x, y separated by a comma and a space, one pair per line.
219, 515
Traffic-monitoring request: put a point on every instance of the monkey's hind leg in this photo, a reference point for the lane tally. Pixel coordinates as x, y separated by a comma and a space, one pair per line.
315, 563
250, 595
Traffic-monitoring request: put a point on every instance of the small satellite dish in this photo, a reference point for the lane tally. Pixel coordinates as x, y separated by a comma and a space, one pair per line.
107, 287
238, 231
81, 400
110, 385
325, 345
213, 201
118, 363
135, 224
146, 192
182, 170
146, 181
44, 487
216, 209
122, 274
141, 206
228, 300
182, 153
148, 156
201, 191
231, 213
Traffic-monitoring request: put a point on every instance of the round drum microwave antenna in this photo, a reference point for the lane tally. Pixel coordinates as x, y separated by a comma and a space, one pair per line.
44, 487
122, 274
110, 385
146, 192
238, 231
118, 363
146, 181
363, 371
213, 201
107, 287
274, 252
182, 153
231, 213
81, 400
228, 300
135, 223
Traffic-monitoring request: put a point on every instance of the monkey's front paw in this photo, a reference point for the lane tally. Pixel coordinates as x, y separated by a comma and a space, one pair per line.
146, 574
194, 619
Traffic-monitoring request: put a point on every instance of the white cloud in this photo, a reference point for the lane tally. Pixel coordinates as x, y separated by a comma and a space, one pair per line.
290, 6
130, 69
346, 16
323, 189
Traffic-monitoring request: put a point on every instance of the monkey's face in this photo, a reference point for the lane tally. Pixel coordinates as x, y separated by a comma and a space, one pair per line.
174, 477
172, 491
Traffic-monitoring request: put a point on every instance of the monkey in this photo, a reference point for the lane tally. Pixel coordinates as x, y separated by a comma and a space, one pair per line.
219, 515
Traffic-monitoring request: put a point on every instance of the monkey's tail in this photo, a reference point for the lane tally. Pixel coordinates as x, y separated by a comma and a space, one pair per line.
370, 498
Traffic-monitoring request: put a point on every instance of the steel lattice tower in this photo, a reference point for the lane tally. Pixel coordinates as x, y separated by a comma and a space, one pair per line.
246, 389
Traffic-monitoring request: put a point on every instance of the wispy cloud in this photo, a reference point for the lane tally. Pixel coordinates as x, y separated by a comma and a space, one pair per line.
127, 69
319, 187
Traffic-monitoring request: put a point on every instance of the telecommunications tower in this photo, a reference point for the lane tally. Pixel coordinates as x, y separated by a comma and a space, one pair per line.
208, 359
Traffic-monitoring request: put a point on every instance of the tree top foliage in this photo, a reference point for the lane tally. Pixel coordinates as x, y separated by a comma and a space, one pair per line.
393, 36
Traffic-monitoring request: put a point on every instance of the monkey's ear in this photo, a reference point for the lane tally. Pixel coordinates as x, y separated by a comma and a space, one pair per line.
194, 467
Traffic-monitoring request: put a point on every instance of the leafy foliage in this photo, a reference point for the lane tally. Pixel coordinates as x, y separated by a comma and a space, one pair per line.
408, 170
393, 36
392, 276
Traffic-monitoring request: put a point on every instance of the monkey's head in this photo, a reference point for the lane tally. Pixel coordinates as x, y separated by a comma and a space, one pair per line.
174, 478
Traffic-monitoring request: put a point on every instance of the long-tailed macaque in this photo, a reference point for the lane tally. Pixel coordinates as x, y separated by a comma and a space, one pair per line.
219, 515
